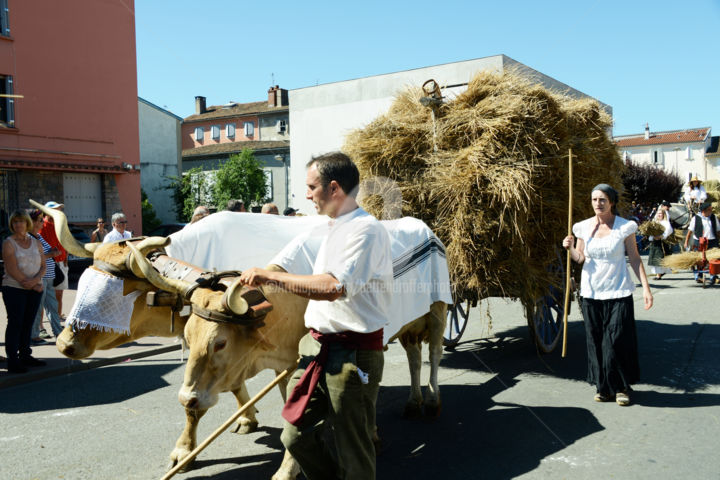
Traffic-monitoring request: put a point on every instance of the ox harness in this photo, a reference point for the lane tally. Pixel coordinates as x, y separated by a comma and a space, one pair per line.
258, 305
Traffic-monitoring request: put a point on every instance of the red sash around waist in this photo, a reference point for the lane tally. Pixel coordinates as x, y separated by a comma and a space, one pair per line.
300, 396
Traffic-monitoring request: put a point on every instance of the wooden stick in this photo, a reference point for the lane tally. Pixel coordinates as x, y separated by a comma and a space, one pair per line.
191, 456
10, 95
569, 259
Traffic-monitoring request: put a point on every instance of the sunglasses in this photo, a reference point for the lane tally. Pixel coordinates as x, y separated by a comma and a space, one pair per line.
122, 221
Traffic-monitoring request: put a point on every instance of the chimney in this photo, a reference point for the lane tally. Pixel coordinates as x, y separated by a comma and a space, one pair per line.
272, 96
282, 97
200, 105
647, 131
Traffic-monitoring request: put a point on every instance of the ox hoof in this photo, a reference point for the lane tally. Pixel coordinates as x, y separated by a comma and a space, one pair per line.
432, 411
245, 427
186, 468
412, 410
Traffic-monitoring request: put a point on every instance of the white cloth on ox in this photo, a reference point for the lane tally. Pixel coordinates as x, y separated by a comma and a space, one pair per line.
237, 241
100, 303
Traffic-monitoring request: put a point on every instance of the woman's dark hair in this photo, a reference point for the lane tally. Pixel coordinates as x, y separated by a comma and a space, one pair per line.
611, 193
339, 167
34, 213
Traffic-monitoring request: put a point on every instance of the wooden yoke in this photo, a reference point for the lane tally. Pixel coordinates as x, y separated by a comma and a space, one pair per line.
258, 305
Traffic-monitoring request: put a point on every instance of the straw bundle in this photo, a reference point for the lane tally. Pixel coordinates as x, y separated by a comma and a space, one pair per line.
489, 176
651, 228
675, 238
687, 260
712, 187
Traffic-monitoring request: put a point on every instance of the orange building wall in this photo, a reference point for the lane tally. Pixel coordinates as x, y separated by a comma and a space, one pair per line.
188, 131
75, 64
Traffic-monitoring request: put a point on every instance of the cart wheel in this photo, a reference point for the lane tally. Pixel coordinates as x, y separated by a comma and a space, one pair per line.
457, 317
546, 320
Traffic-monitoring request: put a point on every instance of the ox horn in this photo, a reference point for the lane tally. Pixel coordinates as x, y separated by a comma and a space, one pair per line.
233, 300
63, 232
144, 247
163, 283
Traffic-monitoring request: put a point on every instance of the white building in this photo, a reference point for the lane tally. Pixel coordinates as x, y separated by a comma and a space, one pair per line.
323, 115
685, 152
160, 156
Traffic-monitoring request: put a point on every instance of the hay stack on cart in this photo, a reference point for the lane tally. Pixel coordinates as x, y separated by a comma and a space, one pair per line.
487, 171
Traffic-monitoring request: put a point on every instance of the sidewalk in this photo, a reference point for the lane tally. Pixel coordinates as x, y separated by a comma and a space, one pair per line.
58, 364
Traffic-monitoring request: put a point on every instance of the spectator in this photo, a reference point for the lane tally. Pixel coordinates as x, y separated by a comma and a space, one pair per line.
704, 224
658, 250
607, 301
289, 212
270, 208
119, 222
201, 211
236, 205
695, 193
21, 290
48, 233
48, 302
98, 235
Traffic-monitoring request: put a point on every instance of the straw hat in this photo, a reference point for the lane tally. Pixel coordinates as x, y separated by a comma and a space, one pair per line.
695, 179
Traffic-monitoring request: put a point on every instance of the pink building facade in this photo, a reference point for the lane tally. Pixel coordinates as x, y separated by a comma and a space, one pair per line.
69, 111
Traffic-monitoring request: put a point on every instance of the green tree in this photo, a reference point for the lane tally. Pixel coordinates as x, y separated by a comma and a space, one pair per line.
188, 191
240, 176
149, 218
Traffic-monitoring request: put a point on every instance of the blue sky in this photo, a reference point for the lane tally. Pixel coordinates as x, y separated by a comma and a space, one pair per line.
653, 62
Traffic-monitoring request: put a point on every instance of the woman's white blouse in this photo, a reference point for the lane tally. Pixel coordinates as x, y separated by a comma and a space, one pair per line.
605, 274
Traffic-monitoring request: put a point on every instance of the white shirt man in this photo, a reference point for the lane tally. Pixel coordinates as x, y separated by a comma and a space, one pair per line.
119, 222
695, 192
349, 293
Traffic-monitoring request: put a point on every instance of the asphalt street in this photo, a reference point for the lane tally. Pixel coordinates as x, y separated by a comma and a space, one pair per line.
508, 412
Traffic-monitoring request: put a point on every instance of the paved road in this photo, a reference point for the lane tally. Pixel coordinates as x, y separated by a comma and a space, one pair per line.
507, 412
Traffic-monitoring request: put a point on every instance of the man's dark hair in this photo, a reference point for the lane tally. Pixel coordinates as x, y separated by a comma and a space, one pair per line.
339, 167
235, 205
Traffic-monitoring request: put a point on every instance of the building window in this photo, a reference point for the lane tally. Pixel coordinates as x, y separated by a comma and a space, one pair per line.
249, 129
688, 151
4, 19
230, 130
658, 159
281, 126
7, 104
215, 132
199, 134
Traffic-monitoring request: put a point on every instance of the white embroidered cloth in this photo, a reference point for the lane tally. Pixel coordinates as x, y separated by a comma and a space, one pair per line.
100, 304
238, 241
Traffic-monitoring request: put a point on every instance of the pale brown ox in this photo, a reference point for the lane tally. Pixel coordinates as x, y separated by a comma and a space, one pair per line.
223, 356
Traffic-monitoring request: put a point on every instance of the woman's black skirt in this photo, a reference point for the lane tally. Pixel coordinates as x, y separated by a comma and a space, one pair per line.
612, 348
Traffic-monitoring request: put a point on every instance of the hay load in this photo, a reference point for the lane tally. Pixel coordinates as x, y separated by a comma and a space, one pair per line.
488, 173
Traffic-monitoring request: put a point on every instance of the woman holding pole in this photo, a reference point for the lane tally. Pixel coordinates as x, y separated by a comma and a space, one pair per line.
606, 289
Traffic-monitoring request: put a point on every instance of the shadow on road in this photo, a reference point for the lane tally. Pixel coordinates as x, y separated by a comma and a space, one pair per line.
98, 387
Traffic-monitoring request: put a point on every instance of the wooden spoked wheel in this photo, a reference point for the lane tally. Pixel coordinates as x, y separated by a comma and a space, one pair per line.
457, 317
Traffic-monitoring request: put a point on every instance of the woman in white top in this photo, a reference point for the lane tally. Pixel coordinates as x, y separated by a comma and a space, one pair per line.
606, 290
658, 250
22, 288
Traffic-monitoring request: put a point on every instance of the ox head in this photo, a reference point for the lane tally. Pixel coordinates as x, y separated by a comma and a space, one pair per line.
81, 343
219, 350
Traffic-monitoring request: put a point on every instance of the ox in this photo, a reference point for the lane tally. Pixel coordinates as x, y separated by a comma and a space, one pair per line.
223, 356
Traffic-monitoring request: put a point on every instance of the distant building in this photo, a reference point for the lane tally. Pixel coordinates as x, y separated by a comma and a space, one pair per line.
685, 152
214, 133
160, 156
68, 114
323, 115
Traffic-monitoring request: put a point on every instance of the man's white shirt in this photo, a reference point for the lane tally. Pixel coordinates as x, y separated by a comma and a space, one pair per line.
356, 251
114, 236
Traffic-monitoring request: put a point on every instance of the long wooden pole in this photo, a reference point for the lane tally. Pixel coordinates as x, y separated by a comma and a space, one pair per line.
569, 259
191, 456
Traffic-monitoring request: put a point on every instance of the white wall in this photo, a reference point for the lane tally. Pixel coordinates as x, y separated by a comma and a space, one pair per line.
321, 116
160, 156
674, 158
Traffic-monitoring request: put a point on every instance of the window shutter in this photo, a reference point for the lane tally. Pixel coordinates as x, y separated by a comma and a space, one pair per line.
249, 129
215, 131
230, 130
199, 134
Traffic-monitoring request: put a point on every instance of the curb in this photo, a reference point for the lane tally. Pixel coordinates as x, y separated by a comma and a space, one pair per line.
11, 380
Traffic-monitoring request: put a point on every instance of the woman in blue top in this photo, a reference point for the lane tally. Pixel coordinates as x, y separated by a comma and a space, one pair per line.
606, 289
